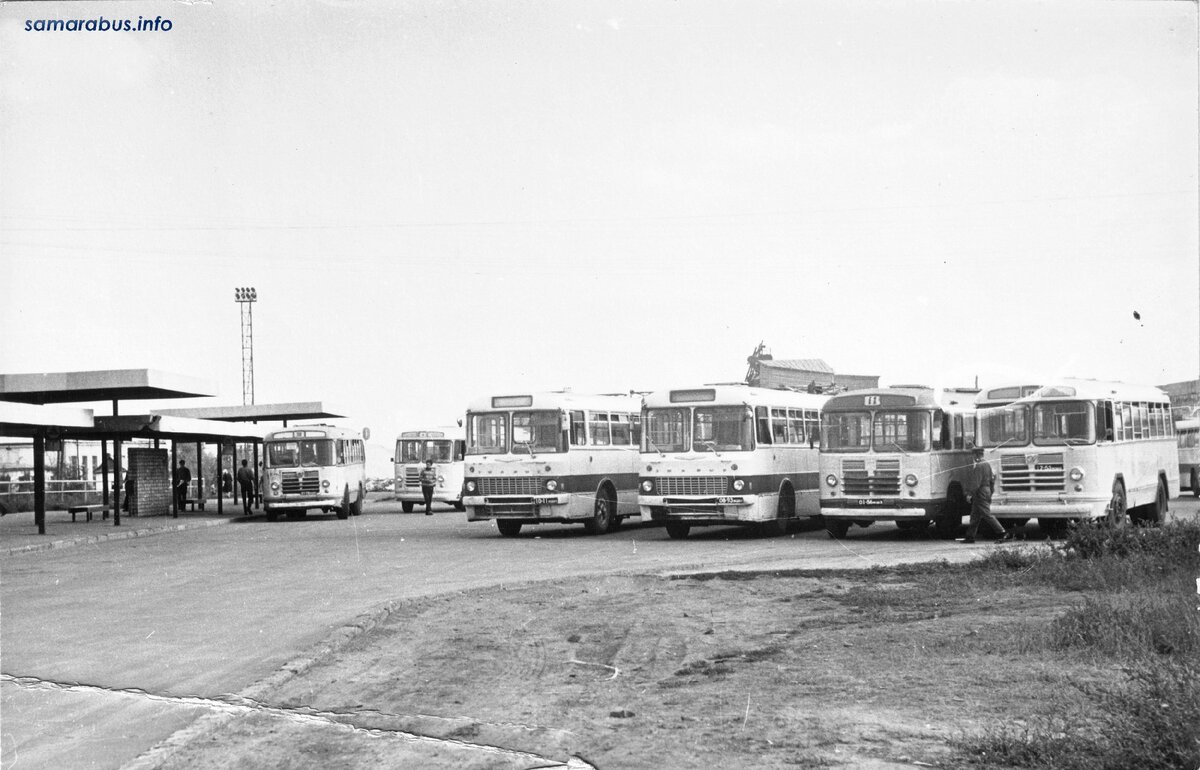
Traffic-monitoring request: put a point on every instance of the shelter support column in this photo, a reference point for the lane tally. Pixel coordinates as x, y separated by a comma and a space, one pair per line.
200, 498
39, 481
118, 485
174, 469
104, 470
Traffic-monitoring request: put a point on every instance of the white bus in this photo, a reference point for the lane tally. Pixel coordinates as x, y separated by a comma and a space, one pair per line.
1081, 449
446, 447
729, 454
552, 457
1188, 433
899, 454
314, 467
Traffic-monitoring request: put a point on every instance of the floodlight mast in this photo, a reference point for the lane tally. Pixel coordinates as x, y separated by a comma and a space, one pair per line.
246, 296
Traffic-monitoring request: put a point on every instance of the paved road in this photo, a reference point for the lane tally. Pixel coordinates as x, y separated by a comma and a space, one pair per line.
89, 631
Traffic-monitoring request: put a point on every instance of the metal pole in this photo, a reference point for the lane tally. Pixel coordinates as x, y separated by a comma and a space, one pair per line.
39, 481
246, 296
117, 484
171, 476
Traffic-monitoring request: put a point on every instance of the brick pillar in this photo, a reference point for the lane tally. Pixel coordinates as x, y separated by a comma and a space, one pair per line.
152, 479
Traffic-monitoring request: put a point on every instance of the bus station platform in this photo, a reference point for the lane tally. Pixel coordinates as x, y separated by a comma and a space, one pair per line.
19, 531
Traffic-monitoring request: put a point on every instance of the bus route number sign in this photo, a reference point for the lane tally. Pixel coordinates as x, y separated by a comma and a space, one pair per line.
870, 400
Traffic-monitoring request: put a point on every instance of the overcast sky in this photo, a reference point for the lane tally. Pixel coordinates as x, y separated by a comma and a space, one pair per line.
436, 201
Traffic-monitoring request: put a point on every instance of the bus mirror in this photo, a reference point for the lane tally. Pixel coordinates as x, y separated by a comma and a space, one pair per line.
366, 434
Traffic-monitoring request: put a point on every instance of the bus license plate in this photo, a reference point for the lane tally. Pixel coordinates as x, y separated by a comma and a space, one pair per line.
545, 500
730, 500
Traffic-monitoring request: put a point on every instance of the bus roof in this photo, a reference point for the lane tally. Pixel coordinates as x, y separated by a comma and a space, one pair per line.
311, 431
734, 394
950, 399
445, 432
1004, 394
1079, 390
556, 400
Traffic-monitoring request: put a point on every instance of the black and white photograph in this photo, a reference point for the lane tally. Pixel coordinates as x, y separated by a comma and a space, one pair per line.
526, 384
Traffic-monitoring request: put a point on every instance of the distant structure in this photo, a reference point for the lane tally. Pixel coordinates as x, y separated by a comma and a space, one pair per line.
804, 374
1185, 398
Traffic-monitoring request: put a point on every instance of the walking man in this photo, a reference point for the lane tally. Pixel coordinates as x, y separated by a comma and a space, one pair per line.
245, 480
183, 477
984, 481
428, 482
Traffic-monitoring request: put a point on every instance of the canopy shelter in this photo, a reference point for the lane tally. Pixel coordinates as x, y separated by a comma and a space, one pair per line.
298, 410
112, 385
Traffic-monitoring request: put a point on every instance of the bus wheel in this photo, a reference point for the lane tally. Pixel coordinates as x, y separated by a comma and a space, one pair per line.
678, 530
356, 508
508, 528
913, 525
406, 507
343, 511
1053, 527
1153, 513
1195, 484
837, 529
271, 515
785, 509
1117, 508
602, 513
458, 506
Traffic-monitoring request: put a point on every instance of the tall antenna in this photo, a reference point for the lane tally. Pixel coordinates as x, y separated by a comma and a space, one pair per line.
246, 296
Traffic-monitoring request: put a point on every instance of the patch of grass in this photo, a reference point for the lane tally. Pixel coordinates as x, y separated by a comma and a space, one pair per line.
1130, 626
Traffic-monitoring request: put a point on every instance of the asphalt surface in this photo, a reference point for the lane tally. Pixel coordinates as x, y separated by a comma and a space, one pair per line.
116, 637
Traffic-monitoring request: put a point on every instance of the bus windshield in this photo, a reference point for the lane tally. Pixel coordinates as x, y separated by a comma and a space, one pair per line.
487, 433
1004, 426
846, 431
537, 431
1065, 422
665, 430
420, 450
901, 431
722, 429
303, 453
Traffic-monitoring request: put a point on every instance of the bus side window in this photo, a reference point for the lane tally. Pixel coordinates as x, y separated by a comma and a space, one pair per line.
764, 425
941, 430
779, 426
635, 426
620, 429
598, 422
578, 429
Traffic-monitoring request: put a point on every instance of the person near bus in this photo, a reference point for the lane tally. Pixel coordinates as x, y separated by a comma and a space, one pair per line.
245, 480
428, 482
983, 482
183, 477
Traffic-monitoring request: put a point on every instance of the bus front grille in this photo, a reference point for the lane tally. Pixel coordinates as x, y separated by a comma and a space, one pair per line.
300, 482
1032, 473
509, 485
412, 477
861, 482
691, 485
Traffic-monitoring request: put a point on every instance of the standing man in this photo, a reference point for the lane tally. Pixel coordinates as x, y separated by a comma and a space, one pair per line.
428, 482
183, 477
984, 481
245, 480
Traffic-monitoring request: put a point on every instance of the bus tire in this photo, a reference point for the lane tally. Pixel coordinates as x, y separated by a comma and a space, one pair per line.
837, 528
1118, 508
271, 515
356, 508
912, 525
406, 506
1195, 483
1152, 514
785, 510
677, 530
508, 528
458, 506
343, 510
603, 512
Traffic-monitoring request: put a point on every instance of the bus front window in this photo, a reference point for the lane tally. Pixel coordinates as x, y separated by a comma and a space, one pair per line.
845, 431
901, 431
1068, 422
1004, 426
539, 431
665, 430
487, 434
722, 429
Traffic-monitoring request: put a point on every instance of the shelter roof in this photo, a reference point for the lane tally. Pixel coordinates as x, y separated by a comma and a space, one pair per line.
799, 364
298, 410
24, 419
100, 385
159, 426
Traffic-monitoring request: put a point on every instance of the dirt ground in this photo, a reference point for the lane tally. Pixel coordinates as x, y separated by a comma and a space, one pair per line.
874, 669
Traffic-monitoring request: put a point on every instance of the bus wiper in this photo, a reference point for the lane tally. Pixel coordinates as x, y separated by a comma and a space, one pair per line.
655, 448
898, 448
712, 446
528, 448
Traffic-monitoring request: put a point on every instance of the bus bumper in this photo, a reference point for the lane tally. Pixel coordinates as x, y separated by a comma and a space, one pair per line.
297, 503
1050, 508
519, 507
878, 512
730, 509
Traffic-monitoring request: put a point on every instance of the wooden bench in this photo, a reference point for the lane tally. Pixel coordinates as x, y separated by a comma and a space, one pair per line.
75, 510
196, 504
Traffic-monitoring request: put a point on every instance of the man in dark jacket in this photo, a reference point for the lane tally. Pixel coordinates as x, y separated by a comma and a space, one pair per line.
245, 480
983, 482
183, 477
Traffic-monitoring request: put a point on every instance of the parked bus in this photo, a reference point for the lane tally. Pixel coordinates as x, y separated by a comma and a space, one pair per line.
899, 454
314, 467
1081, 449
729, 454
1188, 434
446, 447
552, 457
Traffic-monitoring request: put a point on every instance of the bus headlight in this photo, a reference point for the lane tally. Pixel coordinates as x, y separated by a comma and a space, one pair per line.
738, 485
470, 487
551, 485
324, 483
274, 486
831, 480
647, 486
1076, 474
911, 479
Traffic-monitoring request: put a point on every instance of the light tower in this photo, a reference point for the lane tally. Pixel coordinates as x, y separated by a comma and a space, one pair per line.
246, 297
